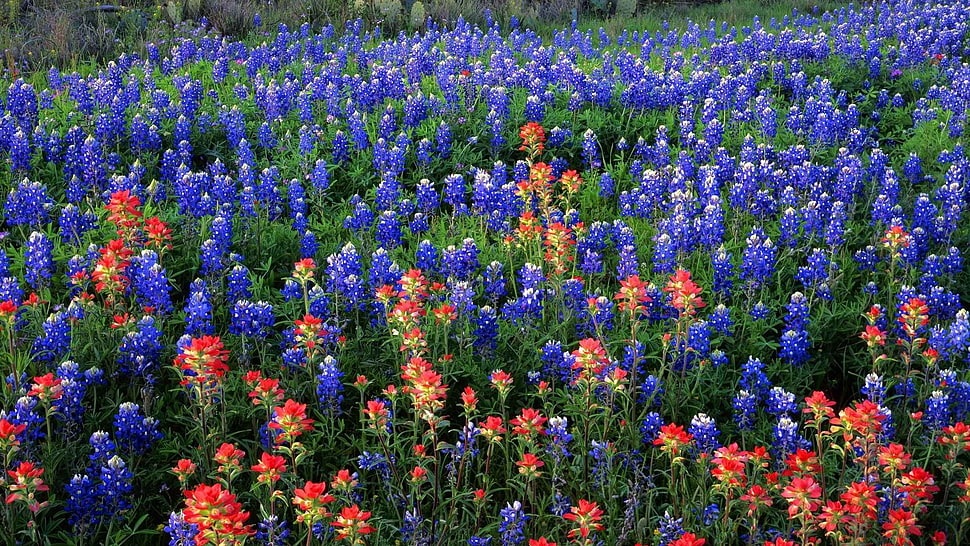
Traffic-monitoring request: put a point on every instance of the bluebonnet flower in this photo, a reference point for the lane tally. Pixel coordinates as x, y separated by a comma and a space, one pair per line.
745, 409
486, 331
73, 224
272, 531
38, 260
150, 282
794, 339
82, 499
874, 389
937, 414
330, 387
786, 438
238, 284
781, 402
705, 433
512, 526
55, 340
252, 319
198, 310
558, 432
69, 408
753, 378
135, 433
760, 311
758, 264
650, 427
669, 528
375, 461
140, 350
28, 205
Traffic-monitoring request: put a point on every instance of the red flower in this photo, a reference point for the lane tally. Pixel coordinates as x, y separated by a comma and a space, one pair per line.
672, 438
352, 524
25, 485
311, 502
591, 358
533, 138
46, 388
873, 336
270, 468
203, 359
540, 542
684, 293
688, 539
586, 516
529, 465
290, 420
492, 428
229, 458
632, 295
801, 495
529, 422
183, 470
219, 517
900, 527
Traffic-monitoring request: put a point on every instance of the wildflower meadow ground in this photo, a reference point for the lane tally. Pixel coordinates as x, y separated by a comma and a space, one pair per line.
474, 285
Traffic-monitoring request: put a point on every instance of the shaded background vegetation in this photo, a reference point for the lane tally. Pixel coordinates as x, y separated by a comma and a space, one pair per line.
72, 34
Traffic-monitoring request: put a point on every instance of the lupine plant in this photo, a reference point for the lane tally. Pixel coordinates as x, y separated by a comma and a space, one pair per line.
473, 285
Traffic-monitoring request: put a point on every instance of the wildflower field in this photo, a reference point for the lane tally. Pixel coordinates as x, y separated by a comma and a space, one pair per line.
476, 285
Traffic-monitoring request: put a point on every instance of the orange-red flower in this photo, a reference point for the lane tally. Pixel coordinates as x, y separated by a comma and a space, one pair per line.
352, 524
26, 483
688, 539
901, 527
311, 503
529, 465
290, 420
270, 468
684, 293
586, 516
219, 517
802, 494
672, 438
529, 423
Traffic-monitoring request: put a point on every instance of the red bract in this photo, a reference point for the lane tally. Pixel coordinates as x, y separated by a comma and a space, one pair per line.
376, 414
46, 388
801, 494
873, 336
229, 458
219, 517
533, 138
529, 465
819, 406
586, 516
290, 420
684, 293
672, 439
914, 315
688, 539
270, 468
352, 524
900, 527
203, 360
25, 484
529, 423
632, 295
590, 358
311, 503
123, 210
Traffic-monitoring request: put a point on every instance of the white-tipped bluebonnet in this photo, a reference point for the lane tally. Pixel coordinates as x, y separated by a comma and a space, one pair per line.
134, 432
